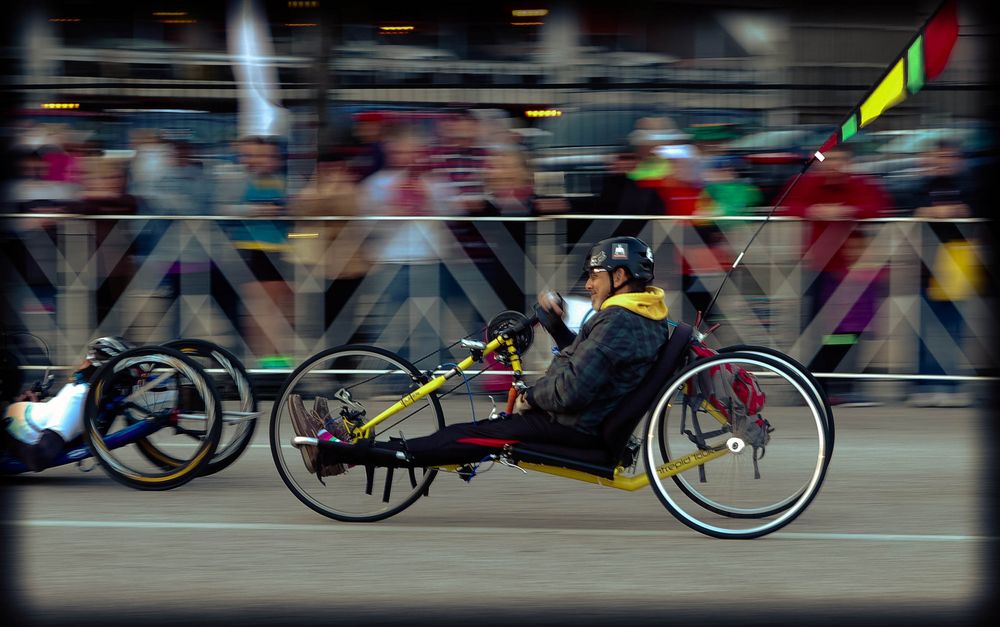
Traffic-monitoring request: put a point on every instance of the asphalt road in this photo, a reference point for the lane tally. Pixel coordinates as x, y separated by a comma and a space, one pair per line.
897, 534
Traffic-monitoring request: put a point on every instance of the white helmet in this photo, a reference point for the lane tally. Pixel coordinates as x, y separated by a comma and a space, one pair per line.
102, 349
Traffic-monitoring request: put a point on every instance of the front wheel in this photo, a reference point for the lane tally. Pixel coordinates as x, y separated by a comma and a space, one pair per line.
158, 396
357, 382
766, 478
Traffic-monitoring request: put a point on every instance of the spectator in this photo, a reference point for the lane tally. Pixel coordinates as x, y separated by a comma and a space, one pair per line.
726, 193
954, 276
167, 180
509, 192
671, 166
854, 296
707, 254
190, 175
32, 248
105, 193
150, 161
832, 199
62, 156
508, 185
621, 194
458, 169
458, 163
266, 297
682, 188
651, 169
337, 251
34, 191
369, 147
407, 254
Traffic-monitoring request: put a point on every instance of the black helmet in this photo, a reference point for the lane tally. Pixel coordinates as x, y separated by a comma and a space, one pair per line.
630, 253
102, 349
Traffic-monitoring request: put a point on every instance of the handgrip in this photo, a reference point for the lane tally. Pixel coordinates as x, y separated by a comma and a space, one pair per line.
511, 397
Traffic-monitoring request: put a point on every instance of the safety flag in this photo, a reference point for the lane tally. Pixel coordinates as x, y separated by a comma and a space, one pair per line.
922, 60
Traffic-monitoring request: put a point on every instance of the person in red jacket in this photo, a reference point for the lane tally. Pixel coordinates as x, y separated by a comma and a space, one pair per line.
833, 199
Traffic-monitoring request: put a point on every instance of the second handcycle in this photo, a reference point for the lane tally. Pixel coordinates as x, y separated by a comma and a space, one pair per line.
156, 417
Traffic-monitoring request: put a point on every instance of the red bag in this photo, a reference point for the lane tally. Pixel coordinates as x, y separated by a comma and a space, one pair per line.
725, 384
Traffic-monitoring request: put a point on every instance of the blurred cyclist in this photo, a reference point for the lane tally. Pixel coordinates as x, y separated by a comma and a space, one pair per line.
35, 432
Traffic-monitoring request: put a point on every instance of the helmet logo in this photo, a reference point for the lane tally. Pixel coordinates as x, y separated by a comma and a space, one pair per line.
649, 254
598, 259
619, 251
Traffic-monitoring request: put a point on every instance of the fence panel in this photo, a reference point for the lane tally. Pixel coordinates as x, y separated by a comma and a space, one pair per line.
415, 285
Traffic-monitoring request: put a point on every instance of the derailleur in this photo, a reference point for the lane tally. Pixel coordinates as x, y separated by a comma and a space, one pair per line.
353, 417
352, 411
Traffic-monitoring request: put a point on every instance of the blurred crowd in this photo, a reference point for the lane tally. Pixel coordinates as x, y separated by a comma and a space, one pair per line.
461, 163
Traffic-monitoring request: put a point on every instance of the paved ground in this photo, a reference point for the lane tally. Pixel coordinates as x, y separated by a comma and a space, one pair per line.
897, 534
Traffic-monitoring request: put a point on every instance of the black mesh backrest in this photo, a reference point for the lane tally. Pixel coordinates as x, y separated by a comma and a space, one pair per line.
616, 429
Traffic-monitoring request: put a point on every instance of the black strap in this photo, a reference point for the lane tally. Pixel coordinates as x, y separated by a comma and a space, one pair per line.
369, 478
388, 484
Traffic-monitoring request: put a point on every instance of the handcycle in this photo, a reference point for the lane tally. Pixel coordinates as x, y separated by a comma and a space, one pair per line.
156, 417
699, 452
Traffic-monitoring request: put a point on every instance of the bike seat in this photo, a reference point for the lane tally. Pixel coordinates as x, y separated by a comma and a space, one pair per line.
595, 461
616, 428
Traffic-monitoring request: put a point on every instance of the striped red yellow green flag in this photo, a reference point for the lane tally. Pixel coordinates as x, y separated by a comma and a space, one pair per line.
922, 60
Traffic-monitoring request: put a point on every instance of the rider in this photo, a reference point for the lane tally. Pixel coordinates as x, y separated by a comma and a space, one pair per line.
585, 383
37, 431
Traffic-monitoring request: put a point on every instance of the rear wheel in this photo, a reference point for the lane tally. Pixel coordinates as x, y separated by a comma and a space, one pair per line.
236, 393
358, 382
764, 480
155, 395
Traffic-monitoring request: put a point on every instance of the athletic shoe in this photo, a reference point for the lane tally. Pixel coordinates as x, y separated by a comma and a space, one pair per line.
853, 399
953, 399
333, 428
861, 403
923, 399
305, 423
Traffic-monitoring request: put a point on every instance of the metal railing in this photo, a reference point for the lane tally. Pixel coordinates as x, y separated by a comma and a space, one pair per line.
73, 277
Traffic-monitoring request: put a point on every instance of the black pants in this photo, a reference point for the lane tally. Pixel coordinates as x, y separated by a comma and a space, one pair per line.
828, 359
37, 456
470, 442
339, 296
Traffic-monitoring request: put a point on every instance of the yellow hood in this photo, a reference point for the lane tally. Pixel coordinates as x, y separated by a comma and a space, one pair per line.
648, 304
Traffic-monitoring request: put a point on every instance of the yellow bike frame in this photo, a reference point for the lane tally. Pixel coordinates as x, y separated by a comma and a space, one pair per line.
620, 481
435, 384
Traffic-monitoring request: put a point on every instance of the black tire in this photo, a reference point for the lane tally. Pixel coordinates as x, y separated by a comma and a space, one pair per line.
812, 385
236, 393
152, 393
731, 503
376, 378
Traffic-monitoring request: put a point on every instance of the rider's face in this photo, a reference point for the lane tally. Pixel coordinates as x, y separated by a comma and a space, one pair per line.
599, 285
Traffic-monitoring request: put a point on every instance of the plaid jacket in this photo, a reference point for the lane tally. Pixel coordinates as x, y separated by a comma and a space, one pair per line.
608, 359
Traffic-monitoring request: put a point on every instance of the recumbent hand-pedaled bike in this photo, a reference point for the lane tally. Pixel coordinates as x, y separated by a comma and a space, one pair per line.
701, 447
156, 417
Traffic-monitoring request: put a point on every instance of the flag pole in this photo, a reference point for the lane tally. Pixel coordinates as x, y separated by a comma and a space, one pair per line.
777, 203
833, 140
